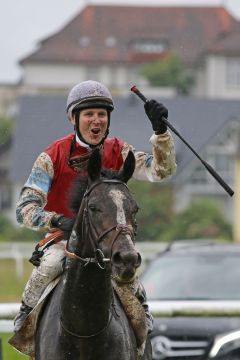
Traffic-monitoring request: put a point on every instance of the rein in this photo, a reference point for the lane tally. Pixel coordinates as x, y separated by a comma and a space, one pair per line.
87, 336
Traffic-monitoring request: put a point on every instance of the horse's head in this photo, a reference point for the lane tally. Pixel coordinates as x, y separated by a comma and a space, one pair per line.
106, 220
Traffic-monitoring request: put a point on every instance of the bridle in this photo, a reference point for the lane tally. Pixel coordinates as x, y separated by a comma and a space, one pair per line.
88, 229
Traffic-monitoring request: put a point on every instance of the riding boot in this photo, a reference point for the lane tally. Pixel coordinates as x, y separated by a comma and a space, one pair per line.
21, 316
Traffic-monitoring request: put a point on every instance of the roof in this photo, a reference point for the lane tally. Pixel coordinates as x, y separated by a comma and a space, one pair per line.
228, 45
113, 34
42, 119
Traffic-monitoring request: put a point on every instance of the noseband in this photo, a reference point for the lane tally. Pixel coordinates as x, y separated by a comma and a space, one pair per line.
88, 228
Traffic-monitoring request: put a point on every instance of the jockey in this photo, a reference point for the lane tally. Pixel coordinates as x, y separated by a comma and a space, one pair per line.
43, 204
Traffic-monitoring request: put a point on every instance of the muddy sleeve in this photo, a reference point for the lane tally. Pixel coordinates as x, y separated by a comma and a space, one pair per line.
157, 166
33, 197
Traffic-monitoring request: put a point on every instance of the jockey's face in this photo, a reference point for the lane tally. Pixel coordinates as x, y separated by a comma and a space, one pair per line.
93, 125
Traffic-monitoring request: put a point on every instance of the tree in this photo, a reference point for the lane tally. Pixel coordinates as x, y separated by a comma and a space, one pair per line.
169, 71
157, 220
6, 125
155, 213
202, 219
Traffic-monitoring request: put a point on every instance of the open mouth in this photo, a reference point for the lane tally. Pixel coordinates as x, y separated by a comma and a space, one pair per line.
96, 131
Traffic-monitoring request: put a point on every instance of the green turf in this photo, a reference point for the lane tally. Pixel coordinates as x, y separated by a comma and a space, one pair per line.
12, 286
8, 352
11, 291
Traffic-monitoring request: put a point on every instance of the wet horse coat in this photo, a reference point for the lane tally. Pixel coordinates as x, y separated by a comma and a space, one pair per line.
84, 319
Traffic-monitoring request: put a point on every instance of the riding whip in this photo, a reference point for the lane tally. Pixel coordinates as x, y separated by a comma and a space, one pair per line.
207, 166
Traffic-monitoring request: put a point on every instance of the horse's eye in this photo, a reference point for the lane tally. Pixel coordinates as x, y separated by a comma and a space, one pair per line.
94, 208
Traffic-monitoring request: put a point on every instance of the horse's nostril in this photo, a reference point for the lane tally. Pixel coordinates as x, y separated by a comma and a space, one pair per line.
139, 260
127, 258
117, 258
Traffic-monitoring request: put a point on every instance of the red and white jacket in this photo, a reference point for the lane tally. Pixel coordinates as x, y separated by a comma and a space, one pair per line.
46, 191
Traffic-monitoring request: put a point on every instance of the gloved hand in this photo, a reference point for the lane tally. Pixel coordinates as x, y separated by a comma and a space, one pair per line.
61, 222
155, 111
36, 256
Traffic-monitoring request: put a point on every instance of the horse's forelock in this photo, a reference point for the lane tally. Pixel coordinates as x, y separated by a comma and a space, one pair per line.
109, 174
80, 186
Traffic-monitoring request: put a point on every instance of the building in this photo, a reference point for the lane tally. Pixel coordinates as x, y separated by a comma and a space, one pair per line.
111, 43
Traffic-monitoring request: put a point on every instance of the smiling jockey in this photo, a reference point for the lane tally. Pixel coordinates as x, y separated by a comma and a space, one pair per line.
43, 202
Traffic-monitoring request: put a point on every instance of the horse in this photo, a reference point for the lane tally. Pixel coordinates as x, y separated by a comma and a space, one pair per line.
84, 318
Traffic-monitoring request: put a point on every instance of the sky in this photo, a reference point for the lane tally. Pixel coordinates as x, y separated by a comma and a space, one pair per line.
24, 23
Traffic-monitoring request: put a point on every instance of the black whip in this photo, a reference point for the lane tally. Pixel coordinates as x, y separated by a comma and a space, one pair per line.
207, 166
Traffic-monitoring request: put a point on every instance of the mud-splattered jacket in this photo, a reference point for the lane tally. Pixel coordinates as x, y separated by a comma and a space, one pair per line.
45, 192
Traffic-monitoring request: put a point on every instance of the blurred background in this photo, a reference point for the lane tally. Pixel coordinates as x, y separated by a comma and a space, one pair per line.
185, 54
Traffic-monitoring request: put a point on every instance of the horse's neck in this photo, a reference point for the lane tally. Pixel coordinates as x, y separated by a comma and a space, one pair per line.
86, 298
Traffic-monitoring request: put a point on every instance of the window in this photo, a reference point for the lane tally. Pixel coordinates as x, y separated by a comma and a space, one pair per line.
110, 41
199, 175
149, 46
84, 41
233, 73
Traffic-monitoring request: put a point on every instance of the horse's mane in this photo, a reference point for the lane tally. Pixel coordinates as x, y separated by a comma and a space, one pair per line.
80, 186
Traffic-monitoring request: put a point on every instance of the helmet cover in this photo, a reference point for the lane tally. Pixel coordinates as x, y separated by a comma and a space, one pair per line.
89, 94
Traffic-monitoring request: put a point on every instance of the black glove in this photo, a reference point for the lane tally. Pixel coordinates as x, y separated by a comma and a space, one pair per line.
61, 222
155, 111
36, 256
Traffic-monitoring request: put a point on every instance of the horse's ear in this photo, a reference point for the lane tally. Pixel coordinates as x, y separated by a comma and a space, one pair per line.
128, 167
94, 165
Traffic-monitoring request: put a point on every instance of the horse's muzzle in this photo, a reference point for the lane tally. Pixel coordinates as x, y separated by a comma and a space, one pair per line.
125, 264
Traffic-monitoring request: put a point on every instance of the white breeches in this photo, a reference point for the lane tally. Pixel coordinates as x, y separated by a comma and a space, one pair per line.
50, 267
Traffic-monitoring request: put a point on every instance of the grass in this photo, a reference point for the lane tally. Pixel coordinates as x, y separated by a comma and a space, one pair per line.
11, 285
8, 352
11, 291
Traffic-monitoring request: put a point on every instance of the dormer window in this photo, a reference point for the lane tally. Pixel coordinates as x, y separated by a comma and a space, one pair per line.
153, 46
233, 73
84, 41
110, 41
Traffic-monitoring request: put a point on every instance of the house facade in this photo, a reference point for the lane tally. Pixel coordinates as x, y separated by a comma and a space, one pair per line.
111, 43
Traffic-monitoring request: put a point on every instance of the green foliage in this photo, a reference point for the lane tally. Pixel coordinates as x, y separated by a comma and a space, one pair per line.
155, 214
6, 126
157, 220
169, 71
202, 219
10, 233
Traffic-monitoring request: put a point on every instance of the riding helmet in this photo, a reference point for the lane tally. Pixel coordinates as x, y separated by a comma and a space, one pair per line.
89, 94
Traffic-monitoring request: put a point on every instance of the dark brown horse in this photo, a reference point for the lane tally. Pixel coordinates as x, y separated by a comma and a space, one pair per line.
84, 319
